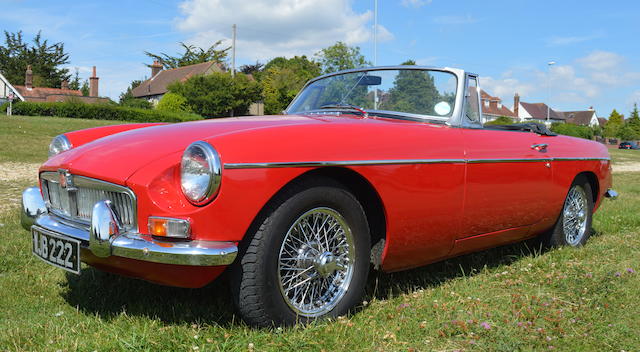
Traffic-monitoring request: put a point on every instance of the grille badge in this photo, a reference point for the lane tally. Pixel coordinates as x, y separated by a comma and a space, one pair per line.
66, 180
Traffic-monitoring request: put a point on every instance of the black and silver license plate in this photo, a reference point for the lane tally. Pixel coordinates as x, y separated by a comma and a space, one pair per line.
57, 250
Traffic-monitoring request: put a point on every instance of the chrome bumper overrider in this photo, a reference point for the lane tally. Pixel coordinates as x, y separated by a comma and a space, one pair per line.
103, 238
611, 194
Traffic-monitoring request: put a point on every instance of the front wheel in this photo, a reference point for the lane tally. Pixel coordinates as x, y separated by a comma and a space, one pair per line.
308, 259
574, 224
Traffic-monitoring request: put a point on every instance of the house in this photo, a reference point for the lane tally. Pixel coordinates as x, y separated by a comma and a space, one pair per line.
535, 112
583, 118
492, 107
155, 87
30, 93
602, 121
7, 91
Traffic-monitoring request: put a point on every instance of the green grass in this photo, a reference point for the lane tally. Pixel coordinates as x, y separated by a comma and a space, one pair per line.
26, 138
509, 298
625, 155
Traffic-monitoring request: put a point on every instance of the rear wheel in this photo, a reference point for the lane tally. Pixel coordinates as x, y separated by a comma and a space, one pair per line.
308, 259
573, 227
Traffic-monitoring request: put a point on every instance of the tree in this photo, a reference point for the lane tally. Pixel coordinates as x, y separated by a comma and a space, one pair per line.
252, 69
128, 94
218, 94
413, 91
615, 122
85, 88
192, 55
45, 59
340, 56
634, 119
283, 78
75, 81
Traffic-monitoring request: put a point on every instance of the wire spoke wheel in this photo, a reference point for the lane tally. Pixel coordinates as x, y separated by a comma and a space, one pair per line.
316, 262
575, 216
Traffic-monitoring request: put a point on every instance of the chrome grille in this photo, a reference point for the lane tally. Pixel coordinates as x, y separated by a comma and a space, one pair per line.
75, 201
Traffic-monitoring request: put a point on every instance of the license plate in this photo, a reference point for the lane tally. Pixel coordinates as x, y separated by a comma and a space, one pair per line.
57, 250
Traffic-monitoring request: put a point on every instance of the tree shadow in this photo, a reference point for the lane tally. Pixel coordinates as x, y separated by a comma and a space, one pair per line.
109, 295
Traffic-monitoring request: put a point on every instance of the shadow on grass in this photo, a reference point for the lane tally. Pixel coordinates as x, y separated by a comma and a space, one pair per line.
108, 295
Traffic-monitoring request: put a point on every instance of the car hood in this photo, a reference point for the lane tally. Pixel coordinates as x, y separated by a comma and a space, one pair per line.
116, 157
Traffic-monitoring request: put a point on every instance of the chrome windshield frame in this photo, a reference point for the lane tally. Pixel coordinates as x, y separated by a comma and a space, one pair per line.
453, 120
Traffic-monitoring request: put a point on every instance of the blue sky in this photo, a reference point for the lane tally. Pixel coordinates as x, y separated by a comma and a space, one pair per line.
509, 43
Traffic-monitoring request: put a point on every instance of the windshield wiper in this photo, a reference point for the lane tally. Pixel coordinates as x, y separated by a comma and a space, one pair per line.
346, 106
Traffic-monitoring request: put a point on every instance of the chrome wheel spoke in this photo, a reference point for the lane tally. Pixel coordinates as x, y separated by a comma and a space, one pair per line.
315, 263
574, 222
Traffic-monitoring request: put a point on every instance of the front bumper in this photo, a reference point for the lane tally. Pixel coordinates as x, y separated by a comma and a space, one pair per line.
610, 193
103, 238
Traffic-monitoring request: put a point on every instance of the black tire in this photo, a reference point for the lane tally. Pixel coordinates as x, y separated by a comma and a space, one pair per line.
559, 236
255, 277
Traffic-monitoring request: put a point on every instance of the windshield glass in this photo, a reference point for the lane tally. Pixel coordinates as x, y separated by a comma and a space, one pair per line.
428, 93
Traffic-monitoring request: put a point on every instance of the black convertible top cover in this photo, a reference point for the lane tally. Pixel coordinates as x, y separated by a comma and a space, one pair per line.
526, 127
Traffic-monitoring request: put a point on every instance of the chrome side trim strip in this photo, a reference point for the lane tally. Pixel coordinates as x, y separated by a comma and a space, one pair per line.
341, 163
392, 162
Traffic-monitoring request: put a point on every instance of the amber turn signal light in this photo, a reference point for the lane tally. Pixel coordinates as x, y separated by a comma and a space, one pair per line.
169, 227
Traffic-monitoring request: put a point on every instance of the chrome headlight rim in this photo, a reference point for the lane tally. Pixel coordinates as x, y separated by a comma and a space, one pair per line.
61, 142
214, 166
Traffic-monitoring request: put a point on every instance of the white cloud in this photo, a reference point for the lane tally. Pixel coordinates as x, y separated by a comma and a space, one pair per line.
601, 60
415, 3
568, 40
506, 87
276, 28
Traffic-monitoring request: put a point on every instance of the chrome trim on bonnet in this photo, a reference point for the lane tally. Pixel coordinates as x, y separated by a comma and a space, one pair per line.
392, 162
130, 245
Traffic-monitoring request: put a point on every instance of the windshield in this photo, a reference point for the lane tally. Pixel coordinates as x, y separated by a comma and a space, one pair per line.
427, 93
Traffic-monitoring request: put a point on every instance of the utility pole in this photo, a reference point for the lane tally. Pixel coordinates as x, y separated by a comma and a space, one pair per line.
375, 49
233, 52
549, 88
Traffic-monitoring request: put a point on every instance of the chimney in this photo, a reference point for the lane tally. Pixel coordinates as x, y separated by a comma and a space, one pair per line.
516, 104
156, 67
591, 108
65, 84
28, 78
93, 84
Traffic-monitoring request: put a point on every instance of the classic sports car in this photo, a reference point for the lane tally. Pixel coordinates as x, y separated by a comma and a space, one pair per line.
389, 166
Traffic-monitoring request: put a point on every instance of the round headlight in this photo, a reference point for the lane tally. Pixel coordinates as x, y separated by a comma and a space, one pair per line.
59, 144
200, 173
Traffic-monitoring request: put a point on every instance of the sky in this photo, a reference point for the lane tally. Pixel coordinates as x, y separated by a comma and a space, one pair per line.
509, 43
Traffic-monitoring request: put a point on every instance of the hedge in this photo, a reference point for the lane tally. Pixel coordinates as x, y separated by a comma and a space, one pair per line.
98, 111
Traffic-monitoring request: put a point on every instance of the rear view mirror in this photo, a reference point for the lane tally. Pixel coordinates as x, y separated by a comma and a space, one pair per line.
370, 81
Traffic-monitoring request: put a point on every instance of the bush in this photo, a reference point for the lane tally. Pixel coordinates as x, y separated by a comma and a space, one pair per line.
99, 111
568, 129
502, 120
173, 102
137, 103
218, 94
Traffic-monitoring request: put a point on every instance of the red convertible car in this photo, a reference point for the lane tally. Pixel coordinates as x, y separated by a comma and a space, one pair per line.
384, 166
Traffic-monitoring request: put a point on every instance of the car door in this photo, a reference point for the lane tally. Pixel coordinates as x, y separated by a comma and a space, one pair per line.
508, 175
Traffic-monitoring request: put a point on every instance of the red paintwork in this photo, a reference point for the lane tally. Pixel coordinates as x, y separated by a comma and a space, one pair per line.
433, 211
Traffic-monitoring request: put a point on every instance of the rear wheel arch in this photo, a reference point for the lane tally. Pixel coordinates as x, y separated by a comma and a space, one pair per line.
592, 179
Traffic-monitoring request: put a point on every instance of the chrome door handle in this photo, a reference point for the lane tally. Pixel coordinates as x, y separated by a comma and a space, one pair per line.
540, 147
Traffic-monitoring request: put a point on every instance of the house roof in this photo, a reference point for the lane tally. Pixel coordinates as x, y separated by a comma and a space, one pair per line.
42, 93
539, 111
12, 88
157, 84
602, 121
579, 117
495, 107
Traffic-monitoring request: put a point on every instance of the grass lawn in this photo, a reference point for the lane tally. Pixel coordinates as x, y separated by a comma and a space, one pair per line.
509, 298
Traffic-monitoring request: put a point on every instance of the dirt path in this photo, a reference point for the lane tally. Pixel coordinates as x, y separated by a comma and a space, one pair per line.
14, 177
626, 167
